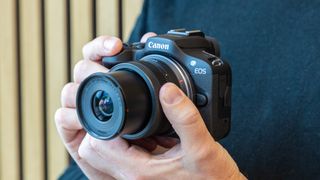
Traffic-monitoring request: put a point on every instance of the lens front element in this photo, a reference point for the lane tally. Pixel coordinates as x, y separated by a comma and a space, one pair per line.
102, 105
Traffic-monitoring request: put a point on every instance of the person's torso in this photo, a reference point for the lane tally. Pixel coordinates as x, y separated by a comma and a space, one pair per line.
274, 50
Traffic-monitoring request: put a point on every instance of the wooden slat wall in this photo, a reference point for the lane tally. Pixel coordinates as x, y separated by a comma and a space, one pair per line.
81, 27
9, 125
32, 94
40, 41
56, 75
105, 24
131, 10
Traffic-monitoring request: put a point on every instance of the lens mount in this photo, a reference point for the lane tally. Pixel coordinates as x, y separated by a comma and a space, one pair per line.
170, 66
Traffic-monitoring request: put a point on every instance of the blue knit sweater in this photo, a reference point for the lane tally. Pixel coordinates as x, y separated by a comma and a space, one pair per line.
273, 47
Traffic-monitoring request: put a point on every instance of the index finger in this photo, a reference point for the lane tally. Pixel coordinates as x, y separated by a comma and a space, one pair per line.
101, 46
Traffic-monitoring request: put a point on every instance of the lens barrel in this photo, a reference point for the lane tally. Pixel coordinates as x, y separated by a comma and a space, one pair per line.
126, 111
126, 102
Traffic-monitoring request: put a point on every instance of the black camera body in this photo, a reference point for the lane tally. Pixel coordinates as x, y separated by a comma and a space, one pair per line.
125, 101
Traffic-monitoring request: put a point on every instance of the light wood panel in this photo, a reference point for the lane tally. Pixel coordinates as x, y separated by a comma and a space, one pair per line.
81, 27
32, 73
32, 95
107, 17
56, 77
9, 147
131, 10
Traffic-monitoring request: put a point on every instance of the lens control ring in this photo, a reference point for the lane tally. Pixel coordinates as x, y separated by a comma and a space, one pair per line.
154, 86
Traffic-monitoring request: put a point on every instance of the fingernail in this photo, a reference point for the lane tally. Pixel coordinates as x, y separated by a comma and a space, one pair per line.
109, 43
171, 94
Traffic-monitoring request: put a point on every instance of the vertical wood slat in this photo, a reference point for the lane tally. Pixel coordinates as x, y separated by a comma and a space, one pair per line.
107, 17
81, 27
131, 10
56, 77
32, 95
31, 75
9, 146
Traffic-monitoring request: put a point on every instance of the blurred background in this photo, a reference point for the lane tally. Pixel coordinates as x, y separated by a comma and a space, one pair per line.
40, 41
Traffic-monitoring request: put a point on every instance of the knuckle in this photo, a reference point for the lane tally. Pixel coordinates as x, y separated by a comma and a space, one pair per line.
85, 148
80, 65
66, 91
59, 117
83, 151
99, 41
63, 118
113, 146
78, 69
86, 49
201, 156
209, 151
94, 144
190, 116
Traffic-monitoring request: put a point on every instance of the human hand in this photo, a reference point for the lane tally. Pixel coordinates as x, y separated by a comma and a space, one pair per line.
66, 118
197, 156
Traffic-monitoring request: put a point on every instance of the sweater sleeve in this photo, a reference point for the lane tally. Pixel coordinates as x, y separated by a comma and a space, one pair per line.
73, 172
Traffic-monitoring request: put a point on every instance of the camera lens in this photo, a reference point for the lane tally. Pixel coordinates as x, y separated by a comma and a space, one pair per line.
113, 104
125, 102
102, 105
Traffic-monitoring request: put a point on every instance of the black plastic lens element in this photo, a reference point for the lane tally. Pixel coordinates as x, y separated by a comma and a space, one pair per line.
102, 105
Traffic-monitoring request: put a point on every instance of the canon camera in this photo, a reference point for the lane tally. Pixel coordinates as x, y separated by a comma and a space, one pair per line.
125, 101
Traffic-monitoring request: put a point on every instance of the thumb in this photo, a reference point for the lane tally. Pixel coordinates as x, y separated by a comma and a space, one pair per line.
184, 117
